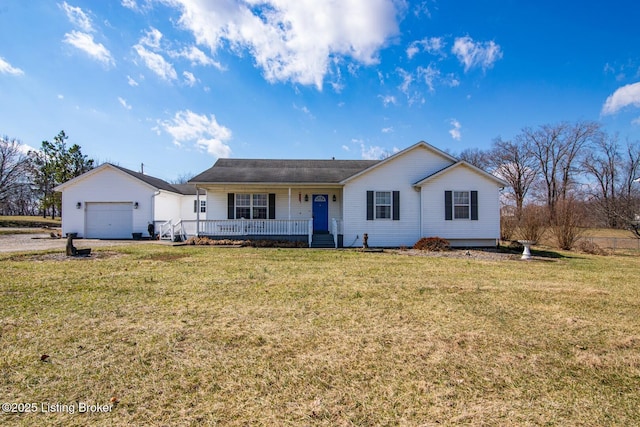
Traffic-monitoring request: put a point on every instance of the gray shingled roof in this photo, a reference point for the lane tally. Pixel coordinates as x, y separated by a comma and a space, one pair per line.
281, 171
158, 183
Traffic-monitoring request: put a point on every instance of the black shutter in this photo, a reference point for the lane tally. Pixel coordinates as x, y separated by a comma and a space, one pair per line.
448, 205
272, 206
474, 205
231, 204
369, 205
396, 206
195, 206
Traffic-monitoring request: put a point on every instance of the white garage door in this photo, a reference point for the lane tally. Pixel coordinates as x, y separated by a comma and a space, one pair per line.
109, 220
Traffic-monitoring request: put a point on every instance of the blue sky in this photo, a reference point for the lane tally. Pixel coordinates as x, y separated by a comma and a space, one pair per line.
175, 84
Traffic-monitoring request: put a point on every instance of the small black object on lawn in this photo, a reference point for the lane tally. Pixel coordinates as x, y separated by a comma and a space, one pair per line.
73, 251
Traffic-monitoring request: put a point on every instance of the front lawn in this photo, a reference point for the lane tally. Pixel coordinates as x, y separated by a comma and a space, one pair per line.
243, 336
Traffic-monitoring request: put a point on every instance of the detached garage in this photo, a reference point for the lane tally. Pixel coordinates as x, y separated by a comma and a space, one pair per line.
112, 202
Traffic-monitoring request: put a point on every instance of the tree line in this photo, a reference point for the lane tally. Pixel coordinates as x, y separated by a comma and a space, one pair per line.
28, 177
566, 175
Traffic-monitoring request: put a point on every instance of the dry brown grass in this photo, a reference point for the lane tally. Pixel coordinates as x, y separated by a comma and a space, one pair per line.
223, 336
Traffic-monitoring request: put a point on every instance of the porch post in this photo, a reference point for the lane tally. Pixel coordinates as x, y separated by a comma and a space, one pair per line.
289, 222
197, 212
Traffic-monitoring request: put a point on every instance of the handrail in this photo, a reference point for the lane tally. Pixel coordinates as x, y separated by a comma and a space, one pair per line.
166, 227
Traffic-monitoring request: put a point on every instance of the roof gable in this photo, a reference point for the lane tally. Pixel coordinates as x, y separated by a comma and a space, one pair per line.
459, 164
281, 171
148, 180
419, 145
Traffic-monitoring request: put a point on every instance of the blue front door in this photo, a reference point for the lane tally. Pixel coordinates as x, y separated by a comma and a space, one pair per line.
320, 213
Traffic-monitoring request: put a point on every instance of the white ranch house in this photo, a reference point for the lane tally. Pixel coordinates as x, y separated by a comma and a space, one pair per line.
418, 192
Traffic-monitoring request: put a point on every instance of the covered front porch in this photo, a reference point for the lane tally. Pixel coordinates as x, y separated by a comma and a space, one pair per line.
255, 229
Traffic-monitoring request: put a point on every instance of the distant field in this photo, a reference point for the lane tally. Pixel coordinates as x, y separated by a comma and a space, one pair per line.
28, 221
242, 336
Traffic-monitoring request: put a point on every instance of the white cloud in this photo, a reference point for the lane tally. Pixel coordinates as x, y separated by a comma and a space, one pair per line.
78, 17
196, 56
131, 81
455, 131
152, 39
636, 121
387, 130
407, 79
145, 48
622, 97
7, 68
189, 78
85, 42
156, 63
431, 45
60, 96
293, 40
388, 99
373, 152
346, 148
476, 54
123, 102
129, 4
205, 132
430, 75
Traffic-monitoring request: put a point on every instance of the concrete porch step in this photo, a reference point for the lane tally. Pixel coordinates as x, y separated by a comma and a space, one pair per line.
322, 240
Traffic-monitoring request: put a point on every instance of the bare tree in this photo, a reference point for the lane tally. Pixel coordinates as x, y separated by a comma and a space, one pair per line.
602, 164
514, 163
630, 188
476, 157
14, 172
557, 149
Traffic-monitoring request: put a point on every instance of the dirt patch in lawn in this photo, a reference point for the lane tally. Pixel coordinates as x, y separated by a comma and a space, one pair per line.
60, 256
484, 254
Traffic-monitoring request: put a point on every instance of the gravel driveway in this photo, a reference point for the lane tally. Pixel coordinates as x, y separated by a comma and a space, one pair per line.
43, 241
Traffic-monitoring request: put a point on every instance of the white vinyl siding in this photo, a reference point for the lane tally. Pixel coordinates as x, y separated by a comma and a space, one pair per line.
485, 228
398, 174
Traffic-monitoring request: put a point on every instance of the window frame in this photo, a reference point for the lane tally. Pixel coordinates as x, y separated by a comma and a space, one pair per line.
253, 207
454, 205
389, 206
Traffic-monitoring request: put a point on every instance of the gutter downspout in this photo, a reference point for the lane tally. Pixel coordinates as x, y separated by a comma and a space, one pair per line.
153, 208
420, 215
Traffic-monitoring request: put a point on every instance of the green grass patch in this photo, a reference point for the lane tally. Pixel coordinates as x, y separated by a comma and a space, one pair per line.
28, 221
201, 335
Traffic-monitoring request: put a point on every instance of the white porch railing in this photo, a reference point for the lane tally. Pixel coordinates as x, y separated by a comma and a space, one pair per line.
165, 231
238, 227
242, 227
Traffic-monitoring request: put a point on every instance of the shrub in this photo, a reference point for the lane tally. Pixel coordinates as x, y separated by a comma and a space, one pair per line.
588, 247
508, 226
533, 223
566, 227
432, 244
203, 241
